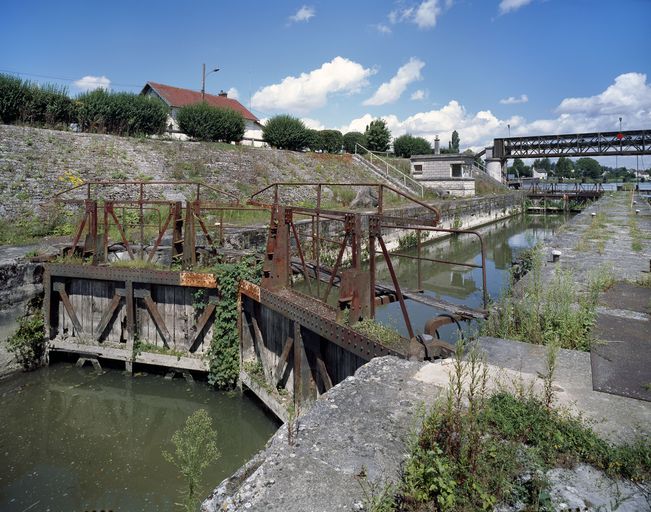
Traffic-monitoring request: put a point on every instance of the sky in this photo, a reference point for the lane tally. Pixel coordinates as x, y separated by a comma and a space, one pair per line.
427, 67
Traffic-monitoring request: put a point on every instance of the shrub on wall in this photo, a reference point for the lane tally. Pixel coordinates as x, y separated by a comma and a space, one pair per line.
120, 113
204, 122
30, 103
286, 132
331, 141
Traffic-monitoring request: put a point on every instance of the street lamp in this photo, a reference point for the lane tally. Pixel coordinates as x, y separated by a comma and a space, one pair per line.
203, 80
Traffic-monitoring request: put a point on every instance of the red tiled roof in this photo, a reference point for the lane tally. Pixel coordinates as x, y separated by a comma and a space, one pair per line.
177, 97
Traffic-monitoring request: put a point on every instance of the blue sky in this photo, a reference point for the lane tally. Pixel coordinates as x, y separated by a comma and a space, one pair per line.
426, 66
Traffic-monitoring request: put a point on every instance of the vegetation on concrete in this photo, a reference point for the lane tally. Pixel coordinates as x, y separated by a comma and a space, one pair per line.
477, 450
195, 448
223, 355
378, 135
120, 113
596, 236
407, 145
636, 234
286, 132
22, 101
201, 121
552, 311
28, 342
386, 335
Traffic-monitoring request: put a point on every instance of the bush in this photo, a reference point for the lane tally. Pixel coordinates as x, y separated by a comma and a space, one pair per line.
286, 132
28, 342
204, 122
314, 141
331, 141
120, 113
352, 138
406, 145
47, 105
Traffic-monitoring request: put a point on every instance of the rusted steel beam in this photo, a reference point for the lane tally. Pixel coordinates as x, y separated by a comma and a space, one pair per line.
396, 285
161, 233
61, 288
109, 208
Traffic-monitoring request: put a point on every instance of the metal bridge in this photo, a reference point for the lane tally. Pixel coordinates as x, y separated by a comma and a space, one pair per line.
635, 142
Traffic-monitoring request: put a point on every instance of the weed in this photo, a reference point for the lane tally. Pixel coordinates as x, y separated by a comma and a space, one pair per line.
195, 448
28, 343
384, 334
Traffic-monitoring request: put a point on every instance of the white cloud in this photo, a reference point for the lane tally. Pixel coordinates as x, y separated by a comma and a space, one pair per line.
512, 5
382, 28
313, 124
391, 91
303, 14
233, 93
419, 95
310, 90
512, 100
424, 15
629, 96
89, 83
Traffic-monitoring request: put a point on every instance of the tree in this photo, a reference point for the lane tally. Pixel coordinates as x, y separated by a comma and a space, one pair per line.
588, 168
313, 141
378, 135
406, 146
195, 449
454, 143
352, 138
205, 122
520, 169
331, 141
285, 132
564, 167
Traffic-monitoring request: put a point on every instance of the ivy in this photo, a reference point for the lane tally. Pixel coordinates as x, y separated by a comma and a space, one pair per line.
28, 342
224, 349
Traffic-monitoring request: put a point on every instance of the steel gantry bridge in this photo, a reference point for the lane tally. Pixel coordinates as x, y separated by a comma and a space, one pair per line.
635, 142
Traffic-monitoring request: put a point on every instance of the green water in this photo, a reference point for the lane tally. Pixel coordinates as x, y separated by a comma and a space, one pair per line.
504, 240
73, 440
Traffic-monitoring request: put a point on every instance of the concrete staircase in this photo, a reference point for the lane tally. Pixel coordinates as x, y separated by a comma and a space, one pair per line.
387, 172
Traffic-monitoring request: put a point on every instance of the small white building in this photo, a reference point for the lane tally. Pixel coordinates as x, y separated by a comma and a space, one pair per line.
175, 98
449, 172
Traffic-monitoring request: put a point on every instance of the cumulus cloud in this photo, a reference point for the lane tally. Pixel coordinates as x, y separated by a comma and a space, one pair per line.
512, 5
233, 93
629, 96
303, 14
313, 124
423, 15
419, 95
90, 83
512, 100
391, 91
300, 94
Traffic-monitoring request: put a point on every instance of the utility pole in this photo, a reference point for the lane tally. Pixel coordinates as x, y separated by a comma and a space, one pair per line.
203, 80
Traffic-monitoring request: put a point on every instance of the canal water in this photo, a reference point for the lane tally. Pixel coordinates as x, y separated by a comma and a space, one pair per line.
504, 241
75, 440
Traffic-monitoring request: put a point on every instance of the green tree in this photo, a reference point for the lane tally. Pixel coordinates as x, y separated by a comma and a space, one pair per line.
454, 143
520, 169
195, 448
313, 140
588, 168
542, 165
331, 141
286, 132
352, 138
564, 168
205, 122
378, 135
406, 146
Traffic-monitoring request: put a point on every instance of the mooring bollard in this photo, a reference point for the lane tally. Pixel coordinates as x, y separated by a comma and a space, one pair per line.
556, 255
637, 212
593, 214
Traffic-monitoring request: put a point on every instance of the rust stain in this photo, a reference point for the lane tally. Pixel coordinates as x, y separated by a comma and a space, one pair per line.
198, 279
250, 290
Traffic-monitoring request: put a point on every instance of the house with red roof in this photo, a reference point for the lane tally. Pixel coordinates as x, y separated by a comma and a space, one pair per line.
175, 98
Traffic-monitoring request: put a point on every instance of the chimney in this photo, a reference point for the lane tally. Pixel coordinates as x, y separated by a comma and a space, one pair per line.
437, 147
223, 94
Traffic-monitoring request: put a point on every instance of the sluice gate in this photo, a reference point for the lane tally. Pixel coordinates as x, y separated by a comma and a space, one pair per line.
307, 325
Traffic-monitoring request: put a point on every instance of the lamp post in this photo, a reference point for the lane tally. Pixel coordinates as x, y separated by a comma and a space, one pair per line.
203, 80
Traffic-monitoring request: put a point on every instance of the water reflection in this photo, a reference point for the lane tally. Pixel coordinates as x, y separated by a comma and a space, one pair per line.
74, 440
504, 240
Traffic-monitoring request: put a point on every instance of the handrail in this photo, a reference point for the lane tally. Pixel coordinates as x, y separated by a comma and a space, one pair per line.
387, 166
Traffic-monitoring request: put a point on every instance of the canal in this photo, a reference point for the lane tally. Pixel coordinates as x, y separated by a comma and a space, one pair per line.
75, 440
72, 439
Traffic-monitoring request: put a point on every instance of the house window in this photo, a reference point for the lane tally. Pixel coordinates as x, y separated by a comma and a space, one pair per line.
456, 170
418, 169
